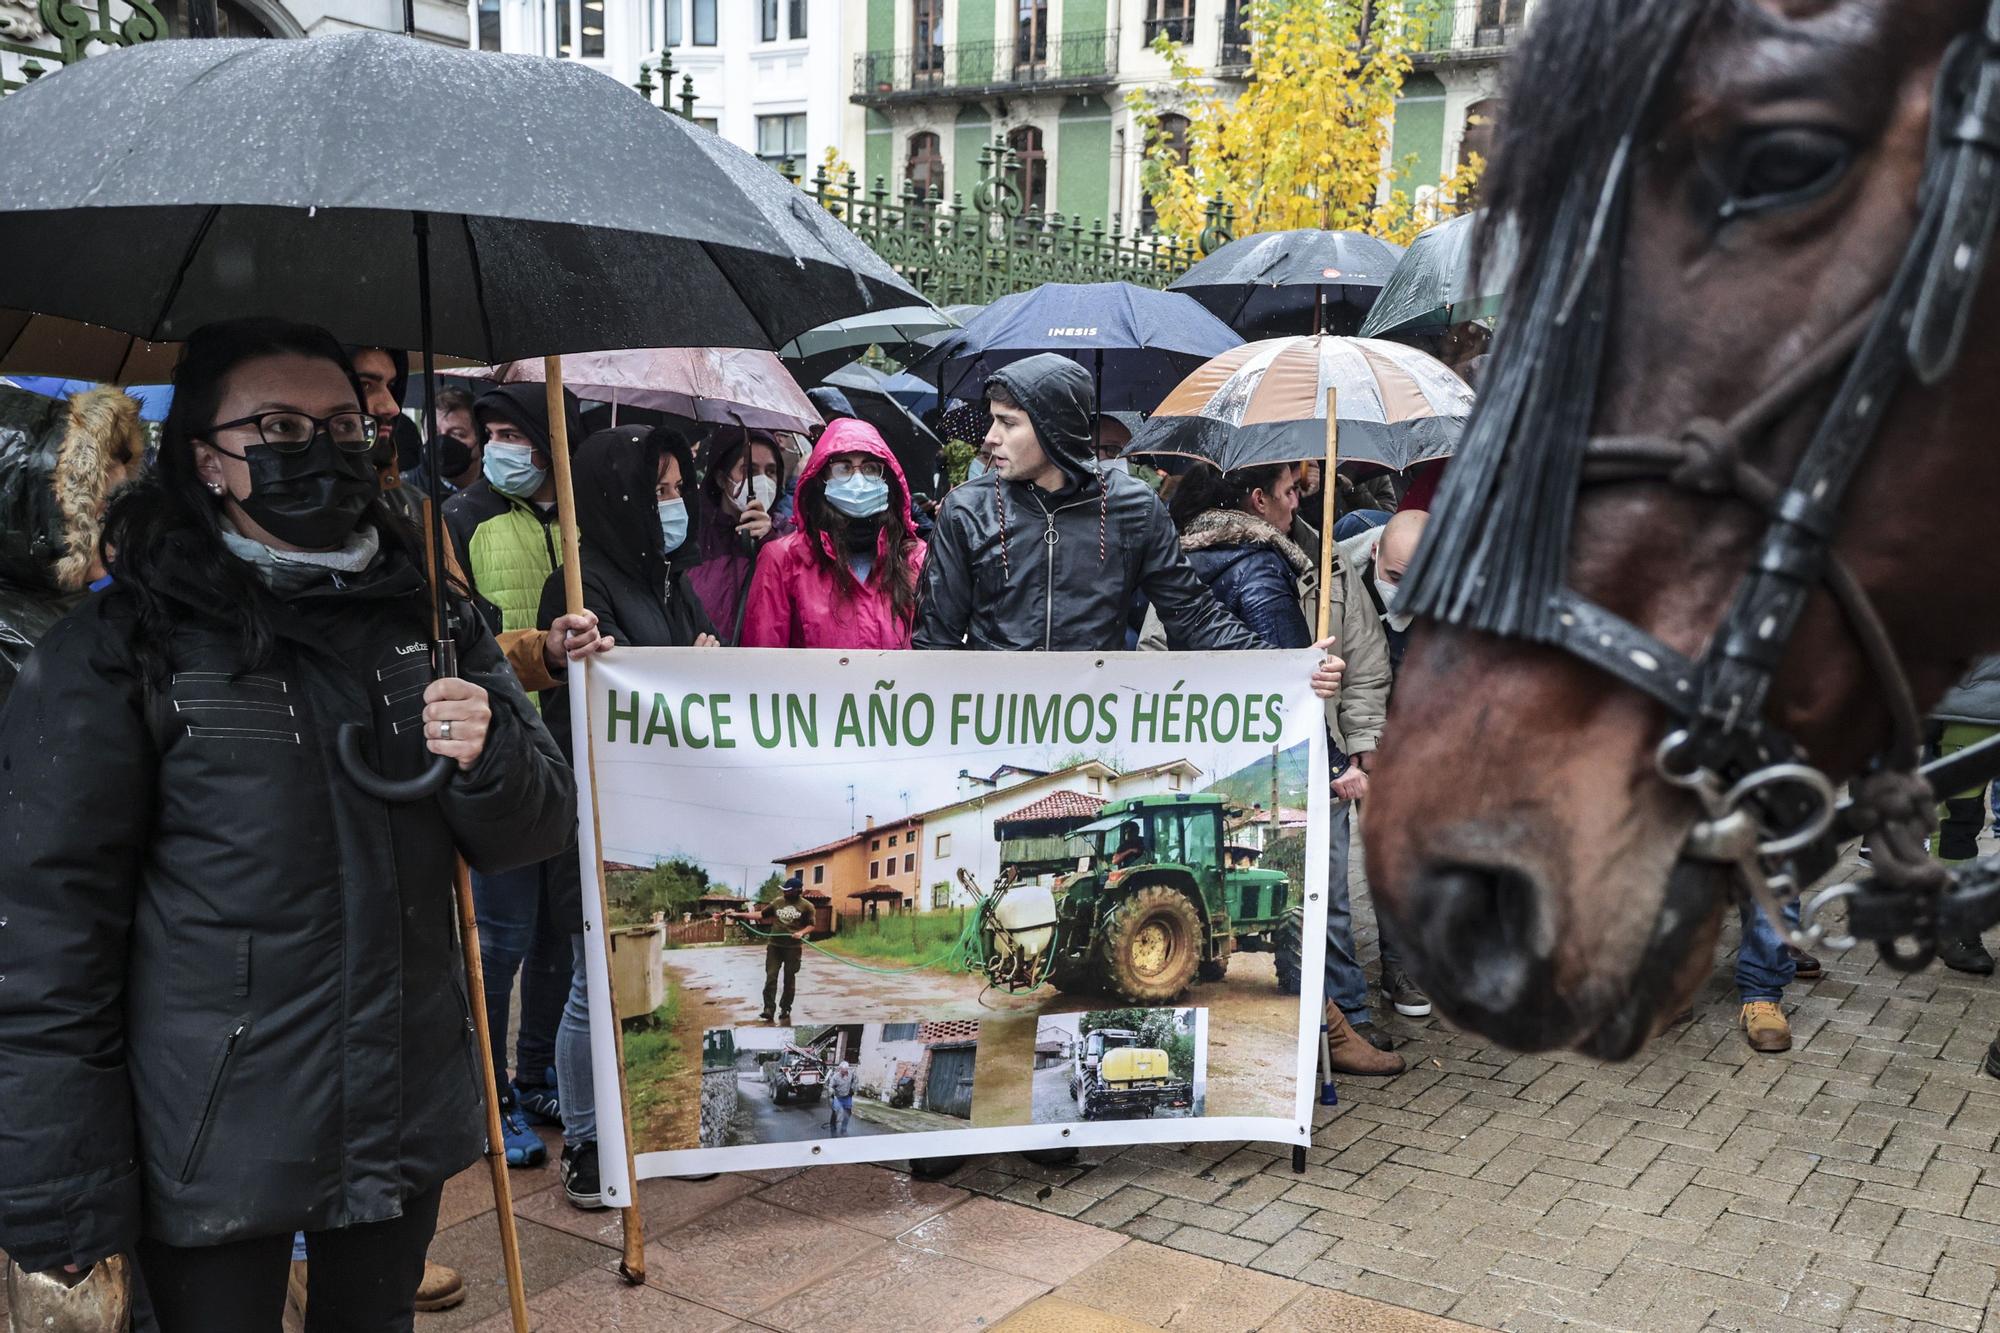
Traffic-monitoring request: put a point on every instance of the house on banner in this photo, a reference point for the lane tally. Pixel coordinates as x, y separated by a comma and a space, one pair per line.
866, 873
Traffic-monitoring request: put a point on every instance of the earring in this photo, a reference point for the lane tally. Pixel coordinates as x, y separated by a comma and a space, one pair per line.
215, 488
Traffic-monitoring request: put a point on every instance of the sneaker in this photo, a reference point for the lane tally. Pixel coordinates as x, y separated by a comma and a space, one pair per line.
1405, 996
524, 1147
1765, 1027
1966, 955
540, 1102
1805, 967
579, 1176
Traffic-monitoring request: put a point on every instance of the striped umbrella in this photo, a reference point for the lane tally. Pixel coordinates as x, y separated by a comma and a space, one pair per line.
1265, 402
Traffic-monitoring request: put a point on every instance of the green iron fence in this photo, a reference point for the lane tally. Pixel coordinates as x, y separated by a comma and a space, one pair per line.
36, 39
954, 252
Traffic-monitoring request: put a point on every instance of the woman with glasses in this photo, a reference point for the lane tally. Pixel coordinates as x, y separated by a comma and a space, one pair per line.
230, 999
847, 578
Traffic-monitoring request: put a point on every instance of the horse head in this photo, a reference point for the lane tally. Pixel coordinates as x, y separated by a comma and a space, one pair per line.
1710, 195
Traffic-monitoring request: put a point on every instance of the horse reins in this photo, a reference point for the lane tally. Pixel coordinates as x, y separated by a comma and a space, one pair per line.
1767, 811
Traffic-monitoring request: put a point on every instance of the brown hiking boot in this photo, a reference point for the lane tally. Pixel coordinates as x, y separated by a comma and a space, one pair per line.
1765, 1028
1348, 1052
441, 1288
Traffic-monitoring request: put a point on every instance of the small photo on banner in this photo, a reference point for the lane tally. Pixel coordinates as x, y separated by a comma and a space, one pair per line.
871, 906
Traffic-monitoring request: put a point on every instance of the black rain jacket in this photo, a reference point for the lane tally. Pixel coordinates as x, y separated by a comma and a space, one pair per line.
629, 581
1014, 568
233, 1004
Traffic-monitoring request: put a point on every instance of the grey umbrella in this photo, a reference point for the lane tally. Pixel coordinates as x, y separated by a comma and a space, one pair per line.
565, 212
542, 209
1439, 282
1283, 282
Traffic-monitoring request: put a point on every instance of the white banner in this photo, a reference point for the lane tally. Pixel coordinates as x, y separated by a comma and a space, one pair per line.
1043, 900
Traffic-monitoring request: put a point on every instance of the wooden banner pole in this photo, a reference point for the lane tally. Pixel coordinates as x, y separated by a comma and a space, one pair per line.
1328, 512
496, 1145
633, 1265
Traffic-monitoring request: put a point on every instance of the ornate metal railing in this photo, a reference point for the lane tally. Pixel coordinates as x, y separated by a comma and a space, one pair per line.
1232, 52
1175, 27
1469, 28
39, 36
1073, 60
954, 252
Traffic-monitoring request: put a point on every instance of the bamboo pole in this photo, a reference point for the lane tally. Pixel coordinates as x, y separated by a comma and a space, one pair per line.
496, 1145
1327, 502
633, 1265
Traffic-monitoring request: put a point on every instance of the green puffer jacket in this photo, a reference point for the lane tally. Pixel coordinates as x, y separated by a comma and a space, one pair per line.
507, 548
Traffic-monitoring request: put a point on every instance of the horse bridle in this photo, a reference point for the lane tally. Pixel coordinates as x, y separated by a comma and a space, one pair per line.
1767, 810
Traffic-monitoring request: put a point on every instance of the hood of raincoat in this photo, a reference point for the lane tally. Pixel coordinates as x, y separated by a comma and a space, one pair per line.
57, 464
617, 517
1061, 404
527, 406
849, 435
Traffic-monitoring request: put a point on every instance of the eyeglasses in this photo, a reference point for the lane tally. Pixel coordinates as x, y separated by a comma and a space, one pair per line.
293, 432
843, 471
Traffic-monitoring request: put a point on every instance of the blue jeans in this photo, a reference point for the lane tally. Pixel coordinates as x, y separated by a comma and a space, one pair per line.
516, 935
1763, 968
579, 1094
840, 1114
1346, 984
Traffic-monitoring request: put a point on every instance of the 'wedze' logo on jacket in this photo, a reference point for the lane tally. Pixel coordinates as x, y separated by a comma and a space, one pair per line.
409, 649
1073, 333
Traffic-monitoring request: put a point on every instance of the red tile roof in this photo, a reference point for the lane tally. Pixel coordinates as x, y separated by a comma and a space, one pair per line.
1057, 805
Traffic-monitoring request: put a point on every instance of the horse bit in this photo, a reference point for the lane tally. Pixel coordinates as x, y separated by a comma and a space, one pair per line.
1767, 812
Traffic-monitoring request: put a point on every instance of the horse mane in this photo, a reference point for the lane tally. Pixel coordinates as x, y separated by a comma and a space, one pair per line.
1580, 97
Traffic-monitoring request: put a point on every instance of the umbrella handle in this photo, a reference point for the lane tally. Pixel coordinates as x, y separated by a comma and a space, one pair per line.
347, 746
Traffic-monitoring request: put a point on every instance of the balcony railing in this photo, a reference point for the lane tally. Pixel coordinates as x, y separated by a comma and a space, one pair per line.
1470, 28
1176, 27
1073, 60
1232, 52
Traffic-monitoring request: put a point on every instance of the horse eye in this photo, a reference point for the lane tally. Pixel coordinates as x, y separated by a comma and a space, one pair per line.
1784, 167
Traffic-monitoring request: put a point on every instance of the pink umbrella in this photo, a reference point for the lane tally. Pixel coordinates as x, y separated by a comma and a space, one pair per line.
721, 384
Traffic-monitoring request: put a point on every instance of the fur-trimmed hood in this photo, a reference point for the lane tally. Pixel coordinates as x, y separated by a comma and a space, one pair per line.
59, 462
1219, 528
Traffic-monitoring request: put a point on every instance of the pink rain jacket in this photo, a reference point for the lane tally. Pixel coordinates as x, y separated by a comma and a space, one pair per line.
799, 601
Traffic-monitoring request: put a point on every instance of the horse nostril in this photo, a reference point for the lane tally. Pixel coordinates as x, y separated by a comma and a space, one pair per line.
1482, 927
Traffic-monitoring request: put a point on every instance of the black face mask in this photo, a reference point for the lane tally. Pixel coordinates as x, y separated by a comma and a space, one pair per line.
454, 456
312, 498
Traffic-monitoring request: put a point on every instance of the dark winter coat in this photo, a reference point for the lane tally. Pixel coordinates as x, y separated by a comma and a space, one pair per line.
1259, 574
1014, 568
1976, 699
639, 594
58, 461
233, 1003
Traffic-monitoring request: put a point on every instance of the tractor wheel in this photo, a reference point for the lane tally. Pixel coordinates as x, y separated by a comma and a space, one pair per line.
1151, 946
1071, 977
1291, 951
1213, 969
779, 1094
810, 1096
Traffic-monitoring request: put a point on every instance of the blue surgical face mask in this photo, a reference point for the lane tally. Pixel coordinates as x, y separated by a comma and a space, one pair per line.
674, 523
858, 496
976, 469
1116, 465
510, 469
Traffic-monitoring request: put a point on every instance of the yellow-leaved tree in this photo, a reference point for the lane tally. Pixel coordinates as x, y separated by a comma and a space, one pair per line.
1307, 142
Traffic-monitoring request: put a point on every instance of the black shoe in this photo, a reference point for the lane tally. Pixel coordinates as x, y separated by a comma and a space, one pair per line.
935, 1168
785, 1019
1405, 996
1051, 1156
579, 1176
765, 1017
1966, 955
1805, 967
1993, 1059
1374, 1036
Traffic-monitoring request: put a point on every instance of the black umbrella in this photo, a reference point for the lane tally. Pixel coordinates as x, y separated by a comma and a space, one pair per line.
542, 209
1286, 282
872, 395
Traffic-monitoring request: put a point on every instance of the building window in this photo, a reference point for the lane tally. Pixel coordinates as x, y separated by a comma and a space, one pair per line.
819, 874
875, 846
1031, 33
674, 34
782, 139
1171, 133
1174, 780
874, 870
565, 29
706, 123
1097, 786
892, 840
924, 171
798, 20
489, 25
1031, 172
909, 862
927, 40
592, 28
704, 22
1173, 18
767, 20
899, 1032
943, 845
940, 898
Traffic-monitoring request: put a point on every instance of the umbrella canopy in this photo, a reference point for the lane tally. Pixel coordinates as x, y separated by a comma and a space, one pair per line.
818, 352
1138, 342
154, 399
1282, 281
1265, 402
1433, 288
563, 210
718, 384
35, 344
915, 445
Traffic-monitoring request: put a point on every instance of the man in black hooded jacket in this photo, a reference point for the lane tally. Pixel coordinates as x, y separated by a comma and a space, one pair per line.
1045, 552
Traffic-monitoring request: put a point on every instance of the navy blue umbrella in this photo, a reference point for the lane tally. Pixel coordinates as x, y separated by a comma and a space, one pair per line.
1137, 342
